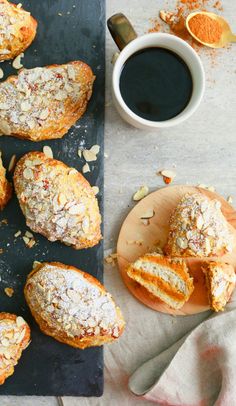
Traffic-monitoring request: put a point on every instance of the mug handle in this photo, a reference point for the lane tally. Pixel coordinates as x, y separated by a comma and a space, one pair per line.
121, 30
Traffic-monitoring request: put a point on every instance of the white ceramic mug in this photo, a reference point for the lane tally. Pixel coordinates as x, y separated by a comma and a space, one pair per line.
127, 40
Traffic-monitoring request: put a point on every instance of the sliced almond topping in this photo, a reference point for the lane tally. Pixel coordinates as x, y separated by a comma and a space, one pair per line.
80, 153
9, 292
230, 199
12, 163
28, 173
3, 106
182, 243
75, 209
62, 199
72, 171
20, 321
44, 114
73, 295
86, 168
25, 106
61, 95
5, 128
200, 222
20, 337
71, 72
95, 190
141, 193
48, 151
17, 62
5, 342
89, 156
19, 5
1, 73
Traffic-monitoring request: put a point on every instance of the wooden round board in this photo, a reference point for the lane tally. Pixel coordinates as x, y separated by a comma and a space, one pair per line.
136, 239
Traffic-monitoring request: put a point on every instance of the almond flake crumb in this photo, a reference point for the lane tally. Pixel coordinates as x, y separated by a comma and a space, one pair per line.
89, 155
141, 193
19, 5
230, 199
145, 222
111, 259
17, 234
148, 214
80, 153
1, 73
9, 292
60, 14
48, 151
17, 62
168, 176
203, 186
95, 149
86, 168
29, 234
105, 155
12, 163
95, 190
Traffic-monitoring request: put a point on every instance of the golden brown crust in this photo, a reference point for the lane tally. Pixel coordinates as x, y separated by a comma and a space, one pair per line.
5, 187
18, 30
57, 201
14, 338
46, 101
220, 283
166, 278
55, 328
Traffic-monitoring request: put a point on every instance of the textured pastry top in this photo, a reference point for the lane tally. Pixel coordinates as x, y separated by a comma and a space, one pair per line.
165, 277
5, 187
220, 281
42, 103
17, 30
57, 201
198, 228
71, 302
14, 337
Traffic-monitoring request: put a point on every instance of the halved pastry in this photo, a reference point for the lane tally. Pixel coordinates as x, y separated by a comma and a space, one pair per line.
220, 282
166, 278
72, 306
198, 228
57, 201
5, 186
17, 29
43, 103
14, 338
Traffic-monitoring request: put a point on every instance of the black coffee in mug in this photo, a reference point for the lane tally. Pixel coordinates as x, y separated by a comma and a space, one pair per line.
156, 84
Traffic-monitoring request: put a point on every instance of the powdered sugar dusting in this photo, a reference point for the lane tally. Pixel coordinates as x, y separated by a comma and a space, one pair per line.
70, 303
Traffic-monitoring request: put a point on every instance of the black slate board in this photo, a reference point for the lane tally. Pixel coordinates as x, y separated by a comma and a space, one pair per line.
48, 367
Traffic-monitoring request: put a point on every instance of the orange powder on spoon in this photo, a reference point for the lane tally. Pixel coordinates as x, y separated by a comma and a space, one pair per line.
205, 28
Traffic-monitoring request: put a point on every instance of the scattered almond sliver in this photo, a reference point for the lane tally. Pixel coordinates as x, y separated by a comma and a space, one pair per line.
148, 214
17, 234
80, 153
1, 73
141, 193
12, 163
230, 199
111, 259
168, 176
203, 186
90, 155
28, 239
48, 151
9, 292
17, 62
86, 168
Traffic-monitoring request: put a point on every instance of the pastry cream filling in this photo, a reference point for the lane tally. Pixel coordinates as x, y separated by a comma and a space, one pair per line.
162, 272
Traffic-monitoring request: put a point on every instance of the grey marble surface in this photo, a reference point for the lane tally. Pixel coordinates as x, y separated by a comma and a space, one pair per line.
202, 150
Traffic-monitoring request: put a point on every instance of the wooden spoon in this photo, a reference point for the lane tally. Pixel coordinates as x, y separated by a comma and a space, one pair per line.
226, 37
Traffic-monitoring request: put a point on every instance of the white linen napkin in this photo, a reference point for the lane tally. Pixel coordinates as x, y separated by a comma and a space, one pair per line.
198, 370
